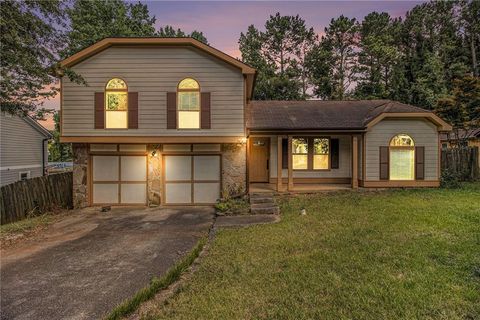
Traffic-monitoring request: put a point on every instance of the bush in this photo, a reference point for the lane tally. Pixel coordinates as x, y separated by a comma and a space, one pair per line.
233, 206
449, 179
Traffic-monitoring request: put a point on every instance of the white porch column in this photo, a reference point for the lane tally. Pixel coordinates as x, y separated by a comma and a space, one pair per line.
354, 162
279, 163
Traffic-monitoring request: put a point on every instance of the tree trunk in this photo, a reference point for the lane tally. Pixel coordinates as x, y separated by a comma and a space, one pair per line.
474, 55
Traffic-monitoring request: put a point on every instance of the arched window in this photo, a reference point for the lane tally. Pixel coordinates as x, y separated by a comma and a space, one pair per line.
402, 158
116, 104
188, 105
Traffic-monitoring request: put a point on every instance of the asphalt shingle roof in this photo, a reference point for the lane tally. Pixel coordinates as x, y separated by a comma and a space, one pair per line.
319, 114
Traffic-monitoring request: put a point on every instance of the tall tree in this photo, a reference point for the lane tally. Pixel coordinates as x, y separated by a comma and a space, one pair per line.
170, 32
91, 21
378, 54
30, 35
250, 45
333, 61
58, 151
279, 54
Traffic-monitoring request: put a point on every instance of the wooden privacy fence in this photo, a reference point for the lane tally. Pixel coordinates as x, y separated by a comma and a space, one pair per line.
35, 196
463, 162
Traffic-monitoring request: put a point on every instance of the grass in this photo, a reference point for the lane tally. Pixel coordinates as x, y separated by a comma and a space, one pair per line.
11, 231
157, 284
398, 254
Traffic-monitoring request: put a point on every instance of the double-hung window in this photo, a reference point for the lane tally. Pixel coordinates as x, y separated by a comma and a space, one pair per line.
116, 104
188, 107
311, 153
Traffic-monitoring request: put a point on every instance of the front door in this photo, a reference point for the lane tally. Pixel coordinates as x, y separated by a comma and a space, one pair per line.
258, 159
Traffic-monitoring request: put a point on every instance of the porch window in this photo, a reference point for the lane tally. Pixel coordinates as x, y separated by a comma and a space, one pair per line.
402, 158
300, 153
188, 104
116, 104
321, 154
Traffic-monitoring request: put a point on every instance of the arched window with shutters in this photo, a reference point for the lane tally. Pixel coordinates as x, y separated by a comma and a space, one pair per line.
116, 104
402, 157
188, 104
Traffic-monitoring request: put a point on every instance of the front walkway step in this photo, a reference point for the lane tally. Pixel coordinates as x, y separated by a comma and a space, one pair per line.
262, 200
245, 220
264, 208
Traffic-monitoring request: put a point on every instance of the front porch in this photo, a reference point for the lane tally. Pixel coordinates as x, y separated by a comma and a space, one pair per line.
306, 163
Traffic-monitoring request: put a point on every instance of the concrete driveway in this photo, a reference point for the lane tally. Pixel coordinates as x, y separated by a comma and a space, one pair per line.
84, 265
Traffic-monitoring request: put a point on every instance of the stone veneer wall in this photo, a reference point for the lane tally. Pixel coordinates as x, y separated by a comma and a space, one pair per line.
80, 165
234, 168
154, 174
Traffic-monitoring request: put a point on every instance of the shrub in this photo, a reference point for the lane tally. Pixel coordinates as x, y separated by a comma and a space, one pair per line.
233, 206
449, 179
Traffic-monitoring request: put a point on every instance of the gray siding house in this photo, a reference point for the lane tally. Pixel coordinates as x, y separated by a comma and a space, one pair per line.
23, 148
171, 121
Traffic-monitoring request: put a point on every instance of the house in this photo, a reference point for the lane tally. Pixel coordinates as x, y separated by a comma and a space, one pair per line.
171, 121
470, 138
23, 145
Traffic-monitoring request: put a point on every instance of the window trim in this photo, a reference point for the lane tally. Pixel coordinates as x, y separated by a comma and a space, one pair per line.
310, 152
22, 172
199, 104
106, 91
390, 147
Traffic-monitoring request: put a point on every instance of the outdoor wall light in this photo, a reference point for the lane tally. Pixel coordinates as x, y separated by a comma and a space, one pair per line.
243, 140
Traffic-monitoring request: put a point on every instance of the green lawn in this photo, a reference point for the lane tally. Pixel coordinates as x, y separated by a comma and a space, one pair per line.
403, 254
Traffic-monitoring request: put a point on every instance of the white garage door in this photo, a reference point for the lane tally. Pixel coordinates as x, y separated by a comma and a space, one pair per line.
192, 179
119, 180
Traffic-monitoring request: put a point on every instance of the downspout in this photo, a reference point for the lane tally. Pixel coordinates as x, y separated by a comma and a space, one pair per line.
43, 155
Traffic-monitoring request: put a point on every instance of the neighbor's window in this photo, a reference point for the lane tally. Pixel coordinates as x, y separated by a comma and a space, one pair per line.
300, 153
188, 104
320, 153
402, 158
116, 104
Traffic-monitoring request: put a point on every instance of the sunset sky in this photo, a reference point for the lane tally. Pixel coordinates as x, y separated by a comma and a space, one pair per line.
222, 22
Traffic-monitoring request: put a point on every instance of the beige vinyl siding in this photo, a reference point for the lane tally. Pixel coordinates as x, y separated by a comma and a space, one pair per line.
21, 149
423, 132
152, 72
345, 164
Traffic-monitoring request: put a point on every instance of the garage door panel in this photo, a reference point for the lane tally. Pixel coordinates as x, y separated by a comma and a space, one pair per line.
206, 192
179, 168
105, 193
134, 168
178, 193
133, 193
206, 167
105, 168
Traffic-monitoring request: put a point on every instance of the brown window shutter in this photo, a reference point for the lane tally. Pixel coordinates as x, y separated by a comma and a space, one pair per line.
284, 153
99, 110
334, 153
384, 163
419, 163
133, 110
171, 110
205, 110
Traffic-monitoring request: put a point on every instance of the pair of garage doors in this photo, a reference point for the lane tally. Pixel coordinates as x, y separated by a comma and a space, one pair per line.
188, 179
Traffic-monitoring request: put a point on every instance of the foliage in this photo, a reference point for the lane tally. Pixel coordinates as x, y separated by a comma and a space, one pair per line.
170, 32
57, 151
28, 35
232, 206
91, 21
279, 55
333, 60
394, 254
449, 179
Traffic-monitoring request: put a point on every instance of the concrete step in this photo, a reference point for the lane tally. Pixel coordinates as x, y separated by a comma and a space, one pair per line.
261, 194
264, 208
262, 200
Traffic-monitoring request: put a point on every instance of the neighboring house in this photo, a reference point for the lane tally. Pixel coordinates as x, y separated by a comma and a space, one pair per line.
23, 145
170, 121
469, 138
